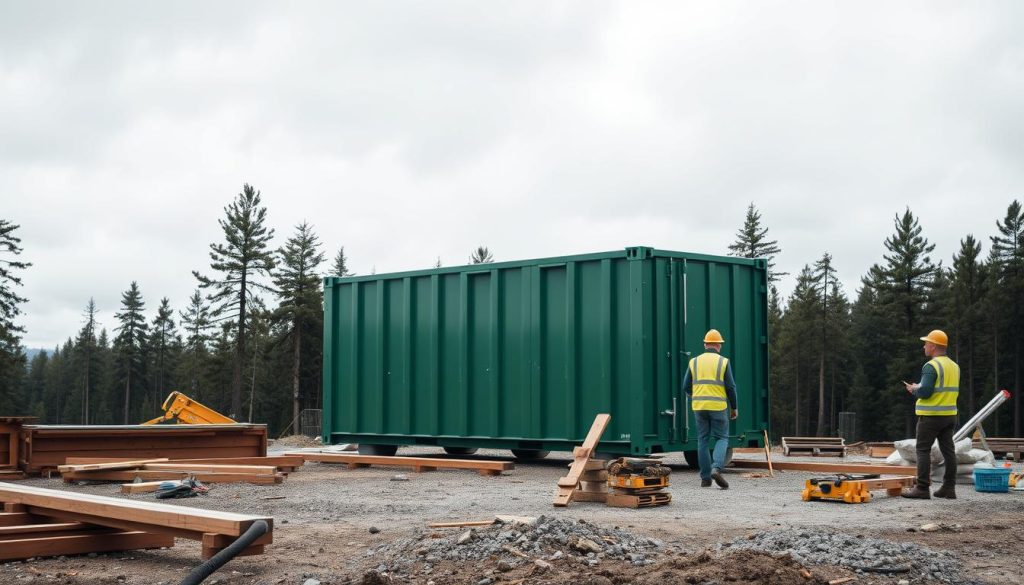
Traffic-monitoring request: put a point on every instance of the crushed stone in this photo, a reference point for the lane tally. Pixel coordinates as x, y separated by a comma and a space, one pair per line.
858, 553
517, 543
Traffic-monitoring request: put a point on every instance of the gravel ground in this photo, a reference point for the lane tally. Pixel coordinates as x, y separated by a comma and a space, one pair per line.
323, 515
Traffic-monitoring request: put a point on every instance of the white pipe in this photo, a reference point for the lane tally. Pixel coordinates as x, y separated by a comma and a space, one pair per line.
982, 414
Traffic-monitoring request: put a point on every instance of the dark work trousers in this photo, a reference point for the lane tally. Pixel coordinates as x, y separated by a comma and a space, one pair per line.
930, 428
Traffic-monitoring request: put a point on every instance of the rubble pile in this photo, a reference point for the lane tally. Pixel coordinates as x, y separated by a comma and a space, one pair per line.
863, 555
517, 543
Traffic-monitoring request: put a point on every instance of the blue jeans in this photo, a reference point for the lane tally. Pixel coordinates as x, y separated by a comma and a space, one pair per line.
711, 425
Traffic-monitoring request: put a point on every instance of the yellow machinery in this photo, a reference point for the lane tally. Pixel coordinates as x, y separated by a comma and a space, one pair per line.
853, 489
180, 409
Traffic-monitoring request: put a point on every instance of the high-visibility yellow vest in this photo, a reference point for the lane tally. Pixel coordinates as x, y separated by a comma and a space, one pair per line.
707, 371
947, 388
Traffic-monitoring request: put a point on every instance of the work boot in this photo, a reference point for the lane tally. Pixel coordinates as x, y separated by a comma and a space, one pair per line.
716, 474
946, 491
705, 483
918, 493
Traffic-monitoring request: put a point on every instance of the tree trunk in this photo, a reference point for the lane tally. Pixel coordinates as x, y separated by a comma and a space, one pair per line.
236, 382
296, 362
1016, 387
820, 431
127, 391
85, 393
796, 396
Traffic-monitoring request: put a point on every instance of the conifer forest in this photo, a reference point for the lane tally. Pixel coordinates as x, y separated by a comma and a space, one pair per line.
248, 341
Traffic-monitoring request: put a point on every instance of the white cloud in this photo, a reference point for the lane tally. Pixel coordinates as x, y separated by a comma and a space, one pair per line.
408, 131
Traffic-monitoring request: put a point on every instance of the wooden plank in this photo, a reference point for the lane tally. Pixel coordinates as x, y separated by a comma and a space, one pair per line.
52, 546
276, 461
102, 507
581, 456
37, 528
638, 501
18, 518
460, 524
393, 461
155, 474
143, 487
584, 496
826, 467
109, 466
215, 468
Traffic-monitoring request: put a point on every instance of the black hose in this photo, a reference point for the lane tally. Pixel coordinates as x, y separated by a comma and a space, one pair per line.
200, 573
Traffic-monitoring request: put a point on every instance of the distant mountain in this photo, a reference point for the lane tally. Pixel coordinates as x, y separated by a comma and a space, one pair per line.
32, 352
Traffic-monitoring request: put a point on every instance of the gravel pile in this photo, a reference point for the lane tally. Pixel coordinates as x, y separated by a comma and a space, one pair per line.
525, 541
902, 561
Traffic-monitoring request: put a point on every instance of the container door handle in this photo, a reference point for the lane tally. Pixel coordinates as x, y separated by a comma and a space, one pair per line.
672, 413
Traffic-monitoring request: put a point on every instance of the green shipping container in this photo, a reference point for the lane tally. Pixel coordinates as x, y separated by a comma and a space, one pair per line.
523, 355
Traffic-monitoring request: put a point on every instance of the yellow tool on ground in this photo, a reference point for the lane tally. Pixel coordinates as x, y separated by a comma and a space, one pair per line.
1015, 479
853, 489
182, 410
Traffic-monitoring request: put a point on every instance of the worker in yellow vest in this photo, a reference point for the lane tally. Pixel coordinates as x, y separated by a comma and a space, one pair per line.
710, 382
936, 417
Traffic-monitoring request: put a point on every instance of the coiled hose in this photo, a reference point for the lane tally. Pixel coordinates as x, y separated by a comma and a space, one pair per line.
200, 573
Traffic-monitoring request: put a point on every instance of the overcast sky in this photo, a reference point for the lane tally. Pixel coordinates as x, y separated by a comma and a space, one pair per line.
411, 130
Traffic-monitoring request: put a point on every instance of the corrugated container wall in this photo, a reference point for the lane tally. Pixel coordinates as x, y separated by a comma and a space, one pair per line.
523, 355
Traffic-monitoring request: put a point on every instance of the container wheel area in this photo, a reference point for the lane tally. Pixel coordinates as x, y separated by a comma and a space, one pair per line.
691, 458
460, 450
530, 453
379, 450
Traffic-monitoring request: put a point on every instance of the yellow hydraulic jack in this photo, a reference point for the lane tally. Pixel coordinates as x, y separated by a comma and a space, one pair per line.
853, 489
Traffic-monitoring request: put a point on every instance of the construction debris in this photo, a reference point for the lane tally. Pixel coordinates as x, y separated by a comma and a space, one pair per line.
637, 483
569, 484
816, 446
162, 469
856, 553
77, 523
419, 464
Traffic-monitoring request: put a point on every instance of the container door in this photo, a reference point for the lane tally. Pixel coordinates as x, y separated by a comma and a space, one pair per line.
672, 409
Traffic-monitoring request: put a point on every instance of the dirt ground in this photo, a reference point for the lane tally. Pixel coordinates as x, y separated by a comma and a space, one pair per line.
328, 517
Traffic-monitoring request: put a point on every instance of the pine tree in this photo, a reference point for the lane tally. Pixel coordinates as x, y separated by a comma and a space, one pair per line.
824, 285
751, 242
481, 255
245, 255
129, 342
12, 359
340, 267
86, 346
197, 324
437, 264
163, 340
301, 300
905, 284
1008, 261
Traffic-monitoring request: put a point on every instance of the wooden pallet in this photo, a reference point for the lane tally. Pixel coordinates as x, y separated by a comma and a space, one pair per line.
567, 485
163, 522
622, 500
419, 464
816, 446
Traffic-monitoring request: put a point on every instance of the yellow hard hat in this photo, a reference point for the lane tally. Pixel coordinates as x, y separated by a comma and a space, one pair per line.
713, 336
937, 337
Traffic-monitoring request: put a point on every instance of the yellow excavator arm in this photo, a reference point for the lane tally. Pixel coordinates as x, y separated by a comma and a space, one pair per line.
180, 409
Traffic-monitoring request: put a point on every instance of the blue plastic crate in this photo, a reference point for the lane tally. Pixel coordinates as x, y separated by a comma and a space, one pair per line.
995, 480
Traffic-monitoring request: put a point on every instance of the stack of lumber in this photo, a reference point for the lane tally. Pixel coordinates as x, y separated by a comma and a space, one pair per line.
568, 486
418, 464
152, 471
817, 446
39, 522
10, 430
44, 447
1002, 446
